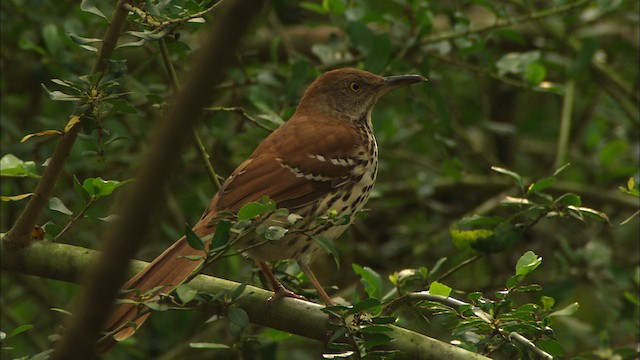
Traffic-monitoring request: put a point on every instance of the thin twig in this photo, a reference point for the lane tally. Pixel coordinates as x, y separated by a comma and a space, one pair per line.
565, 124
502, 23
480, 70
199, 145
458, 267
159, 25
75, 218
241, 111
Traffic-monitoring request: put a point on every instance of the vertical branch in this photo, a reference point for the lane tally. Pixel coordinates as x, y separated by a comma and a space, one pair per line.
20, 233
204, 156
138, 201
565, 124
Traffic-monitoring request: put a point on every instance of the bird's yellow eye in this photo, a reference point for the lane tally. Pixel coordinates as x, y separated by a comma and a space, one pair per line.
355, 87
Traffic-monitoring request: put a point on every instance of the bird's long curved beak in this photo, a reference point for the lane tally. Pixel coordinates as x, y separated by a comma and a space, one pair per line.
392, 82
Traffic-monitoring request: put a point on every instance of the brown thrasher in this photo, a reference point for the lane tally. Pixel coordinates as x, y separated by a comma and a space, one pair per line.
324, 158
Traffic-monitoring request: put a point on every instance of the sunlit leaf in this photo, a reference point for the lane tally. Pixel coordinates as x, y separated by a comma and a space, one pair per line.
437, 288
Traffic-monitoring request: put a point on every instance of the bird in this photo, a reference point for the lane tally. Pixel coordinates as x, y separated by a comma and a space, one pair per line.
324, 158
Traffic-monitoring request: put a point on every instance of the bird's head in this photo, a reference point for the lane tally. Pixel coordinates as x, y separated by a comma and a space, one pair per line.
349, 94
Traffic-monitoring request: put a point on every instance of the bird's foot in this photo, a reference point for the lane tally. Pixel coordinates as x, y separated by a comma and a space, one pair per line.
281, 292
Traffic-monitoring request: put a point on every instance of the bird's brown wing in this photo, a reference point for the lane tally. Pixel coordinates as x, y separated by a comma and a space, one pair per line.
295, 166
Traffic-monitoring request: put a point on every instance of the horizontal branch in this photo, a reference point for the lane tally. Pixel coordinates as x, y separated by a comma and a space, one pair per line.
68, 263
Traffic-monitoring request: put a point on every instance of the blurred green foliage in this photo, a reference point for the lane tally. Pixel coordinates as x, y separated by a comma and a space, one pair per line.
527, 86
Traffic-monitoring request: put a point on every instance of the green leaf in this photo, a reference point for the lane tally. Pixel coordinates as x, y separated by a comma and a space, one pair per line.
370, 279
329, 247
541, 185
51, 38
193, 239
20, 329
98, 188
56, 204
82, 40
90, 7
515, 176
275, 335
535, 73
527, 263
237, 292
465, 239
384, 320
251, 210
109, 218
569, 199
132, 44
552, 347
238, 319
547, 302
293, 218
186, 293
438, 265
61, 311
206, 345
363, 305
532, 287
599, 215
59, 95
11, 166
51, 229
474, 296
314, 7
221, 236
149, 35
567, 310
376, 339
80, 190
437, 288
516, 63
274, 233
561, 169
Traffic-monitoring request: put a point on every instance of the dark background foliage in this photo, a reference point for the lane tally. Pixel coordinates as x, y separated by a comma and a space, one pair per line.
495, 97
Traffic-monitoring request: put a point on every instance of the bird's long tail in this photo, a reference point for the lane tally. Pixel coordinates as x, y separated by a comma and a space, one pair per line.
163, 275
